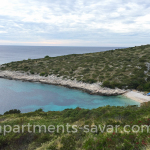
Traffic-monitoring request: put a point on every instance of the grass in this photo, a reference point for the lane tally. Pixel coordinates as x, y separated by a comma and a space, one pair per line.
82, 140
122, 68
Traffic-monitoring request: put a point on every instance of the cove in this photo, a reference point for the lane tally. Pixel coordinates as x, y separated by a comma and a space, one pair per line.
28, 97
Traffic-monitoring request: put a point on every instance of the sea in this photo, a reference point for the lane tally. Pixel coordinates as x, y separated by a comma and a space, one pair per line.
27, 96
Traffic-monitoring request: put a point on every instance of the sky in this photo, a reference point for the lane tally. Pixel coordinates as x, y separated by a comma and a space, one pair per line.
121, 23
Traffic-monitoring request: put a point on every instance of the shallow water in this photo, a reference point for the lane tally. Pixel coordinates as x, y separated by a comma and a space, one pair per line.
28, 96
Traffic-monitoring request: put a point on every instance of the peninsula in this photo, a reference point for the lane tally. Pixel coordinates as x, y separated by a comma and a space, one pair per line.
112, 72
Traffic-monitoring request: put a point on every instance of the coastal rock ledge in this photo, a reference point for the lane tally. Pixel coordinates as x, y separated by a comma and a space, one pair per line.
94, 88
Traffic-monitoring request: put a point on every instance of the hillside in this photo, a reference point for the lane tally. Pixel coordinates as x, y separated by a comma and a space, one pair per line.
95, 139
122, 68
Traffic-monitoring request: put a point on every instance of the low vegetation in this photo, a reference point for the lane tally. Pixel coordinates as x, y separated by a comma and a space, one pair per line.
81, 140
122, 68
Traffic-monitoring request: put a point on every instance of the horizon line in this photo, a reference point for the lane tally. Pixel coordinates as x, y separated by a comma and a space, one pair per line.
63, 46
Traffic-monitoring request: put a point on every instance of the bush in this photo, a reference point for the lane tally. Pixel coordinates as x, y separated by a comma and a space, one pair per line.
86, 70
90, 81
113, 84
39, 110
148, 78
32, 72
46, 56
68, 143
140, 88
44, 138
133, 84
106, 84
42, 73
2, 68
141, 60
52, 147
13, 111
147, 86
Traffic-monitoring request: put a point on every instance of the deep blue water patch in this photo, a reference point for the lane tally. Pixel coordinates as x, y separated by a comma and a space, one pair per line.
28, 96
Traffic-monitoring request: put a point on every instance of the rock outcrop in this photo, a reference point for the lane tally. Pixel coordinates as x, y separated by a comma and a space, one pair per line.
94, 88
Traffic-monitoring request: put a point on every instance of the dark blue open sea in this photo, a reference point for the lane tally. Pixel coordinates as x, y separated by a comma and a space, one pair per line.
15, 53
28, 96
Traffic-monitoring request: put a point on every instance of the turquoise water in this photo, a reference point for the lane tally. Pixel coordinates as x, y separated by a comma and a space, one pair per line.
28, 96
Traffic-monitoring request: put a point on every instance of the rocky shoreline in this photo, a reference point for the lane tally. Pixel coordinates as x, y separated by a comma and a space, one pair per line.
94, 88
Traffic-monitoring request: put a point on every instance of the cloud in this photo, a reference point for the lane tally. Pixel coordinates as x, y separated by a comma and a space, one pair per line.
96, 21
3, 32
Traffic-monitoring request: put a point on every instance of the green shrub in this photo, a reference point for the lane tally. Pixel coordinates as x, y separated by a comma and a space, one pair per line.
86, 70
141, 60
42, 74
68, 143
13, 111
106, 84
3, 68
146, 86
32, 72
52, 147
90, 81
94, 76
44, 138
39, 110
46, 56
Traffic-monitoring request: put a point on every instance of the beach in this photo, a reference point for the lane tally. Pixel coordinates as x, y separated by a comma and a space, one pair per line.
137, 96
